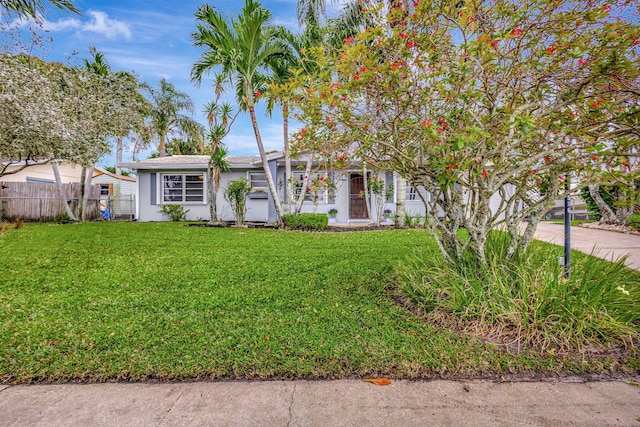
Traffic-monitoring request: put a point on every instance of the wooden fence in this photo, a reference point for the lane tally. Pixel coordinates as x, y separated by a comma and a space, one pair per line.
40, 201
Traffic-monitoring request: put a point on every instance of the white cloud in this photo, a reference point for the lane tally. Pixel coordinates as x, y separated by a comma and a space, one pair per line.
110, 28
98, 22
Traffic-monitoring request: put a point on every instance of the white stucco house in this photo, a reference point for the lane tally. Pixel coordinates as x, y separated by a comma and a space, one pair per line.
183, 180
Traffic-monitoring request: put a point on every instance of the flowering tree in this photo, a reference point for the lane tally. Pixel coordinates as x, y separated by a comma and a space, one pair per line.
483, 104
49, 111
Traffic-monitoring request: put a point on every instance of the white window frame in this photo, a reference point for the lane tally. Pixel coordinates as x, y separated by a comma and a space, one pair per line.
183, 175
258, 189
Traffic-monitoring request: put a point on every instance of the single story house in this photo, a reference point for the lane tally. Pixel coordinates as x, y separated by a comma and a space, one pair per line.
183, 180
117, 193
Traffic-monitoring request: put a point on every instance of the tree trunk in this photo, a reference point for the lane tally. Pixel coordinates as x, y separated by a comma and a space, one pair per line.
401, 200
305, 184
607, 215
367, 196
162, 152
265, 165
80, 210
63, 197
213, 212
118, 155
87, 189
287, 160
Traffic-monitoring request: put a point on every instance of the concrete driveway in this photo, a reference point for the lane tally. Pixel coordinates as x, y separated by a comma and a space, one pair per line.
605, 244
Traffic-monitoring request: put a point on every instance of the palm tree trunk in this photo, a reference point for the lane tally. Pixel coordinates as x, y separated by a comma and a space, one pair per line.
265, 165
63, 197
162, 152
214, 184
287, 159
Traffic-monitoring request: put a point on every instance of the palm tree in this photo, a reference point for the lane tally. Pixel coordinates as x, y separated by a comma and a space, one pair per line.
281, 72
312, 12
242, 48
33, 8
167, 118
220, 117
217, 164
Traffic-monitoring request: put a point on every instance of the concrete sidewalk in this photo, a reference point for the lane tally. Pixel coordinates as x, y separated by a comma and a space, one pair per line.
608, 244
324, 403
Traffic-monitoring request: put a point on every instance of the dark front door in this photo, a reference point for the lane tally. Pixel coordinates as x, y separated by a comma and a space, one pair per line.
357, 202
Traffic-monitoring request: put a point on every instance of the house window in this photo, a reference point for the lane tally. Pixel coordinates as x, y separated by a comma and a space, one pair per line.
258, 181
183, 188
411, 192
105, 189
320, 187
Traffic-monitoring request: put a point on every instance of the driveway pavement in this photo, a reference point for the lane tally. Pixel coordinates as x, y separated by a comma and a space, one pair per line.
607, 244
324, 403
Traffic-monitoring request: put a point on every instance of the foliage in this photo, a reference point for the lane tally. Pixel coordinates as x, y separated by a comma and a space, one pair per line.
613, 204
112, 169
475, 100
236, 194
306, 221
382, 193
169, 109
240, 48
634, 220
174, 212
50, 111
592, 207
414, 221
35, 8
526, 299
333, 212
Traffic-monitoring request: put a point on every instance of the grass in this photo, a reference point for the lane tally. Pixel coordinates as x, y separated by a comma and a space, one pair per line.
574, 222
526, 300
136, 301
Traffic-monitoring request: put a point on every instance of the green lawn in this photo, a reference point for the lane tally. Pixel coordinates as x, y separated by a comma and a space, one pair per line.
103, 301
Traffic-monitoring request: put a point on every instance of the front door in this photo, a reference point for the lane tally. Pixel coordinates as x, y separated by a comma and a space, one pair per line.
357, 202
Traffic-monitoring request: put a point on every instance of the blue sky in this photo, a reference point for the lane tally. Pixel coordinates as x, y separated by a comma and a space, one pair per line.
152, 38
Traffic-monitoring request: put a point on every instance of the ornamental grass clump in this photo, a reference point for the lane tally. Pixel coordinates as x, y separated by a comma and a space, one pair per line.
526, 301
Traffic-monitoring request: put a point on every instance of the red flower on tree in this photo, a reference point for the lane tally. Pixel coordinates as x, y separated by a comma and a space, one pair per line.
517, 32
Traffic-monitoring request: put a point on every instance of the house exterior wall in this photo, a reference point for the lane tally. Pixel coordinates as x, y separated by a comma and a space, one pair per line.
120, 187
69, 172
150, 200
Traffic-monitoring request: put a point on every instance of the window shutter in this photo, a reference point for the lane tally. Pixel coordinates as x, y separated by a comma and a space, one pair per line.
154, 188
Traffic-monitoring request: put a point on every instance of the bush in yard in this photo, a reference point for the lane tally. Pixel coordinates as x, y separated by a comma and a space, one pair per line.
306, 221
634, 220
526, 299
236, 194
174, 212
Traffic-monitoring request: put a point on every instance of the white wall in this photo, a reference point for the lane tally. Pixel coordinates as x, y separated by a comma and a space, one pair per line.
69, 172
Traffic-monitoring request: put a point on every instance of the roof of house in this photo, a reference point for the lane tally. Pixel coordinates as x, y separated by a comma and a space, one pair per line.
188, 162
99, 171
